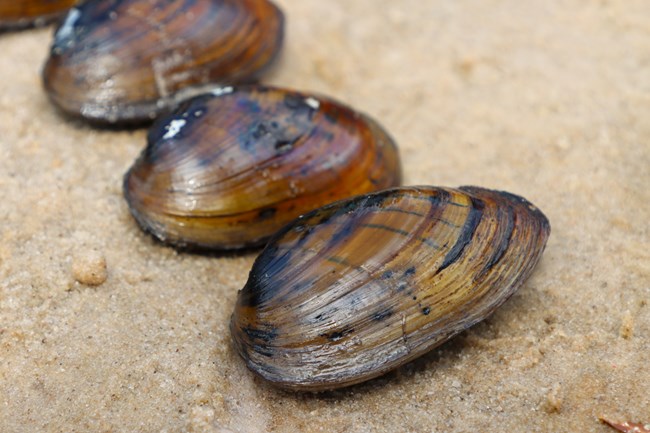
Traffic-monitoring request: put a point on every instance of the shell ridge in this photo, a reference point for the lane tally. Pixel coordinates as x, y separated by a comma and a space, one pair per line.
522, 266
360, 320
490, 213
467, 232
325, 252
301, 270
335, 241
331, 245
504, 242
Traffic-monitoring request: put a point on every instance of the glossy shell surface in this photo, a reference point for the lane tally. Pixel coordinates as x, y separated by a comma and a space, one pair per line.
125, 61
362, 286
230, 168
16, 14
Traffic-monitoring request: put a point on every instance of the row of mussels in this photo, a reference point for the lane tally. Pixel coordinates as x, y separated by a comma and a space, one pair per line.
358, 275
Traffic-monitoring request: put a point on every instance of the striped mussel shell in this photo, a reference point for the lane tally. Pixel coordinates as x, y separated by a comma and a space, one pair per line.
126, 61
17, 14
231, 167
359, 287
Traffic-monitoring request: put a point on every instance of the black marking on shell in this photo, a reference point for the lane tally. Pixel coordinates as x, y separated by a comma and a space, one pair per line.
387, 228
266, 335
270, 134
505, 240
401, 286
429, 243
297, 103
465, 237
284, 146
261, 339
262, 350
259, 131
438, 199
267, 213
338, 335
304, 234
383, 314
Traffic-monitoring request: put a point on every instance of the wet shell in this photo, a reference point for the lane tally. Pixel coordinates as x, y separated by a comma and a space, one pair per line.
15, 14
230, 168
362, 286
127, 60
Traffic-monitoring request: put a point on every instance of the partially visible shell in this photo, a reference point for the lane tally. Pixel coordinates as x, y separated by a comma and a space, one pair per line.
17, 14
125, 61
355, 289
230, 168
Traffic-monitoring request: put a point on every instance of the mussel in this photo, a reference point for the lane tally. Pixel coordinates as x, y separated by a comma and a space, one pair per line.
231, 167
125, 61
357, 288
16, 14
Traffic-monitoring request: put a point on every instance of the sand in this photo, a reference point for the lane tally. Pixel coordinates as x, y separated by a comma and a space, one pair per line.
549, 100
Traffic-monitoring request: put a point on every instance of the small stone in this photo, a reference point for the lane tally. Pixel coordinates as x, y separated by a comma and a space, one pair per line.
627, 326
89, 267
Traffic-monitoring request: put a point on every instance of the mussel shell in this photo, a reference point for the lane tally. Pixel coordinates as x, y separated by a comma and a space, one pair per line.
355, 289
16, 14
230, 168
125, 61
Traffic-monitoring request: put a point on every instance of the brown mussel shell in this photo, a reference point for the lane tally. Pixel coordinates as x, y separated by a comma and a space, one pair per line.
125, 61
17, 14
359, 287
230, 168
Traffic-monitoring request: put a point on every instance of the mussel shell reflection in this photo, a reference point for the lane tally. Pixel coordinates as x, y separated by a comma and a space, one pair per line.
362, 286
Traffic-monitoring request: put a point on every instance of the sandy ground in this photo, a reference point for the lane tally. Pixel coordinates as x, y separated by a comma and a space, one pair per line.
550, 100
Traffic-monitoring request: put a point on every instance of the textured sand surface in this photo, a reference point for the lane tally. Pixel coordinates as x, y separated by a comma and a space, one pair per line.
549, 100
